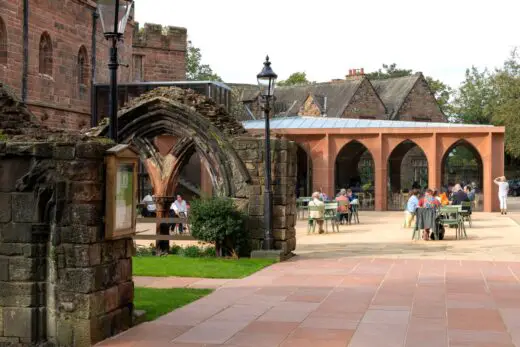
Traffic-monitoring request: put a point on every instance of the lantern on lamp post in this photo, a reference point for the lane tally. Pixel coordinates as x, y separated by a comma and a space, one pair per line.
114, 15
267, 81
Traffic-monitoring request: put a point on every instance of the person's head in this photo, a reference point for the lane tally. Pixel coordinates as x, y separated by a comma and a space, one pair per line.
467, 189
179, 198
316, 195
414, 192
349, 192
343, 192
428, 193
457, 188
435, 192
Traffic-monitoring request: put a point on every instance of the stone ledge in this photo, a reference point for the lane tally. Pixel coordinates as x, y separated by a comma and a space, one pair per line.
277, 254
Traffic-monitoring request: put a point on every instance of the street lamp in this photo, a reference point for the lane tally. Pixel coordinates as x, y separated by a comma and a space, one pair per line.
266, 81
114, 15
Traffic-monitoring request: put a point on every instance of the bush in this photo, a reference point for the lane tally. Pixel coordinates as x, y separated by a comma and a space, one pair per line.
191, 252
209, 252
175, 249
217, 220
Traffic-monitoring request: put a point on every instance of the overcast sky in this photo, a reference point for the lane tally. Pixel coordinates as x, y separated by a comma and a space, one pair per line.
326, 38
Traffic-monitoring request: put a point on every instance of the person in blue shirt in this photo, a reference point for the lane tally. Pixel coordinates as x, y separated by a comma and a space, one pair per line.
411, 206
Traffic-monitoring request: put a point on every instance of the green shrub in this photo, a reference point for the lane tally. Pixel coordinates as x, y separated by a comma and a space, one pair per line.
175, 249
209, 252
143, 251
191, 252
217, 221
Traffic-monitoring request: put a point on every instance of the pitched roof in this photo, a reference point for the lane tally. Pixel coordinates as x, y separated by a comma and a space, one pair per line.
393, 91
338, 96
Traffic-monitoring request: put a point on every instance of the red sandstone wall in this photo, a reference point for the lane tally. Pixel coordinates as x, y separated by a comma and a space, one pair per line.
58, 100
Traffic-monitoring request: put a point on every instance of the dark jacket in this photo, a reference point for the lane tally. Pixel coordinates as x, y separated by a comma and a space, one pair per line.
426, 218
458, 197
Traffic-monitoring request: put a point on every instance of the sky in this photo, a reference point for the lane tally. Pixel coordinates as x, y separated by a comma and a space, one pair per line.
326, 38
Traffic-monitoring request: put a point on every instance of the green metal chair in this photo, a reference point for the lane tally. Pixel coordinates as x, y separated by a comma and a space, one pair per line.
354, 213
466, 212
453, 218
331, 209
311, 222
301, 206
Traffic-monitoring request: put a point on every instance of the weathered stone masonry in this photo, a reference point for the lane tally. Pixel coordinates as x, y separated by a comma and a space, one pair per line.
60, 282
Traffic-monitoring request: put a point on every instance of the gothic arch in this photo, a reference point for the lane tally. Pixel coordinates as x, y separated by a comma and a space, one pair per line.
201, 127
472, 171
45, 54
3, 42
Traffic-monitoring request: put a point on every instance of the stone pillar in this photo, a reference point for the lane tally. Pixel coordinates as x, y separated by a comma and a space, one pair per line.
283, 161
206, 186
60, 282
381, 176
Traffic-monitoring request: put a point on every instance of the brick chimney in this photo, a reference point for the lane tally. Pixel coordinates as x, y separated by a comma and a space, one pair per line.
355, 74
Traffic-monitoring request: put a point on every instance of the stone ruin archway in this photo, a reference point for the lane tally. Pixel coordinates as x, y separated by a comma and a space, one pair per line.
234, 158
198, 124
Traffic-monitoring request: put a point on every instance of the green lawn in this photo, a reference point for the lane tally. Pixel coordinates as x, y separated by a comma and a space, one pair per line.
173, 265
157, 302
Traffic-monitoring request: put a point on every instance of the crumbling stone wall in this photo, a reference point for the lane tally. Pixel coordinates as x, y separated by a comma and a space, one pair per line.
283, 167
60, 281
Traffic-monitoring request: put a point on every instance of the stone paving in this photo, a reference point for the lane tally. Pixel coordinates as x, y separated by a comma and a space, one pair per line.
180, 282
367, 286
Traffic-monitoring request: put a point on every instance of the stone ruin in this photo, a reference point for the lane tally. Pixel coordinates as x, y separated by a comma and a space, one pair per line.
61, 282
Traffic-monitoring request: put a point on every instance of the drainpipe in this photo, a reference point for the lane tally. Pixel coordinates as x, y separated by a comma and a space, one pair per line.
93, 96
25, 67
325, 106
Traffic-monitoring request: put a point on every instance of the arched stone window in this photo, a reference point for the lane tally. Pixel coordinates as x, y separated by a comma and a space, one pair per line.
82, 66
45, 66
3, 42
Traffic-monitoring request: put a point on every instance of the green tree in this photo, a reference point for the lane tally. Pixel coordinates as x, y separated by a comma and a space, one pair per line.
295, 79
473, 102
506, 102
388, 71
195, 70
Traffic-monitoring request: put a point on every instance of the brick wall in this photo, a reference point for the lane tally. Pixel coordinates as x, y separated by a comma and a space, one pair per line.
163, 50
420, 105
365, 103
59, 99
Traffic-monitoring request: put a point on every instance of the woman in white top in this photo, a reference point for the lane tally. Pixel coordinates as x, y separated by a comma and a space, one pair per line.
503, 190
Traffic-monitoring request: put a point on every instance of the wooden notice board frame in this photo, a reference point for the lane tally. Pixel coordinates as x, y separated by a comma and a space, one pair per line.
121, 164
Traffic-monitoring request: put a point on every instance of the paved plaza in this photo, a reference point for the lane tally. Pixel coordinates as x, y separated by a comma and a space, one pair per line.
368, 286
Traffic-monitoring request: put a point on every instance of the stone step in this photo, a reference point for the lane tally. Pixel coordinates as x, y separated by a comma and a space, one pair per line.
138, 317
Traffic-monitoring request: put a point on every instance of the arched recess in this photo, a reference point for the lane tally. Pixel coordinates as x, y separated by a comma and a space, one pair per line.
354, 169
462, 164
150, 116
45, 55
3, 42
407, 169
303, 172
82, 68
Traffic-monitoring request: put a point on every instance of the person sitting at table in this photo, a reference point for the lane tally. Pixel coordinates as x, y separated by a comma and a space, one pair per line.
470, 193
458, 195
428, 201
323, 196
444, 197
342, 207
317, 215
411, 206
179, 209
149, 209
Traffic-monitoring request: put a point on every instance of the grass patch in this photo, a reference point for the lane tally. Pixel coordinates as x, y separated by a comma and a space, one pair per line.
173, 265
157, 302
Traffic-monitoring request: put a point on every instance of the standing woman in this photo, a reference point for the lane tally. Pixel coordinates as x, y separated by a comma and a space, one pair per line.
503, 190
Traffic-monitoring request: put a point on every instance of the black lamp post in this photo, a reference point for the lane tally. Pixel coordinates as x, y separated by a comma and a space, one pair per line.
114, 15
267, 81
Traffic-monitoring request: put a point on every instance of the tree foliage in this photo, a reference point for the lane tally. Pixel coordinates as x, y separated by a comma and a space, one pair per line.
295, 79
388, 71
195, 70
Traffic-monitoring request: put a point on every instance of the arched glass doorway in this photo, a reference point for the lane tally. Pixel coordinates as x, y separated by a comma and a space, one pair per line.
354, 169
407, 169
304, 173
462, 164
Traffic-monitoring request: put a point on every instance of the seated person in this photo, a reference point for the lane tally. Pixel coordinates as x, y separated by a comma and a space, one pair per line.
458, 195
353, 200
323, 196
411, 206
342, 208
444, 198
179, 209
149, 210
319, 214
469, 192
